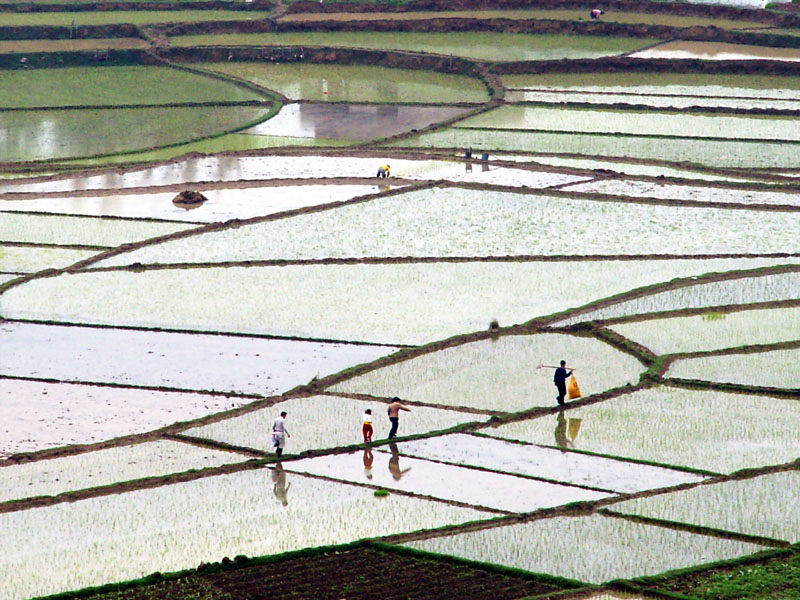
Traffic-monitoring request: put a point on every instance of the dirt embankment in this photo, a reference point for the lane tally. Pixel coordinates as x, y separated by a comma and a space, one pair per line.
257, 5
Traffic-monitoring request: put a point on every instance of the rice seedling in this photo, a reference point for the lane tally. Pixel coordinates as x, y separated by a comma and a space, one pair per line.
593, 549
713, 431
499, 374
19, 259
760, 506
701, 332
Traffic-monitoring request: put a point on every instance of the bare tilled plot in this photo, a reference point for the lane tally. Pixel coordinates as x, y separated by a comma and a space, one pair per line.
221, 204
473, 487
546, 463
309, 421
775, 369
106, 467
707, 430
169, 360
730, 506
38, 415
385, 302
593, 549
178, 526
23, 46
715, 330
498, 374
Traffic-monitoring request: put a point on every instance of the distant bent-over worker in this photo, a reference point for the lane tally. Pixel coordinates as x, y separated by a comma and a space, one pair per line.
595, 14
383, 171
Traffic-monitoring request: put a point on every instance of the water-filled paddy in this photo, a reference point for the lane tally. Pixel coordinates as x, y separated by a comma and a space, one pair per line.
777, 369
710, 153
382, 303
222, 205
583, 120
125, 85
460, 222
175, 360
713, 431
325, 422
547, 463
84, 231
136, 17
715, 331
88, 414
763, 506
665, 191
593, 549
178, 526
475, 487
351, 122
747, 290
61, 134
480, 46
105, 467
717, 51
500, 374
24, 259
356, 83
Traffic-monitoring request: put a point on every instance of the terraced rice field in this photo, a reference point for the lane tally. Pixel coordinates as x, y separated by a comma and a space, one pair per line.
555, 193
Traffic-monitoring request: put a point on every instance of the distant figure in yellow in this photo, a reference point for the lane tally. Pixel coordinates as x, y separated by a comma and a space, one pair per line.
383, 171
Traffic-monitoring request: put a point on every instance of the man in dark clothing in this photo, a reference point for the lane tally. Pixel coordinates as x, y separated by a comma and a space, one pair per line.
560, 379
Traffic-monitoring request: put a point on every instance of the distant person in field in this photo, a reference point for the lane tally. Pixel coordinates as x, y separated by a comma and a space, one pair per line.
383, 171
366, 427
595, 14
560, 379
279, 434
394, 415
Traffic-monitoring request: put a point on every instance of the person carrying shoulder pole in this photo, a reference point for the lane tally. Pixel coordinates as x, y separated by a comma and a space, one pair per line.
560, 379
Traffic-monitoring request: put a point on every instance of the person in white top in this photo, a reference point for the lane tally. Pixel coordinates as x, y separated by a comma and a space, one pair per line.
366, 428
279, 433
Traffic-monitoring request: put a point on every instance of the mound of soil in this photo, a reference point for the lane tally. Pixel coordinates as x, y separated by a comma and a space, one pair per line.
189, 199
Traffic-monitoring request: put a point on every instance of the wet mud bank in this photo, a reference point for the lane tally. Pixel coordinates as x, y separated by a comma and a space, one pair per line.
257, 5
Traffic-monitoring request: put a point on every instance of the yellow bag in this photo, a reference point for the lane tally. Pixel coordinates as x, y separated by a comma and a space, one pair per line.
573, 391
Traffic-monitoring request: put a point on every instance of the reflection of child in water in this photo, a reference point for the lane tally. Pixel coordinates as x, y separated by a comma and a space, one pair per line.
368, 458
279, 487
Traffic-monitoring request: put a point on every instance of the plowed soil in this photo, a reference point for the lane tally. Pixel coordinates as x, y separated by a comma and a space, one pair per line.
356, 574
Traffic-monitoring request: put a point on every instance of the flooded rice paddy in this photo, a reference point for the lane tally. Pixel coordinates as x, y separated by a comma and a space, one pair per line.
716, 51
715, 330
309, 421
591, 548
775, 369
26, 259
708, 430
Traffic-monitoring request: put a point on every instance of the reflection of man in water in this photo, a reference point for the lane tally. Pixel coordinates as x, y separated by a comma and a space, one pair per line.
562, 441
394, 463
279, 487
368, 458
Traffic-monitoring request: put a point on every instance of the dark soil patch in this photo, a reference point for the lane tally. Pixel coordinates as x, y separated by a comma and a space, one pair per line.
354, 574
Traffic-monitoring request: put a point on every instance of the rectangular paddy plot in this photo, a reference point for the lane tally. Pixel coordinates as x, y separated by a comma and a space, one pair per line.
86, 231
136, 17
546, 463
776, 369
592, 549
377, 303
356, 83
74, 45
719, 153
583, 120
324, 421
715, 330
179, 526
663, 191
106, 467
480, 46
172, 360
222, 205
716, 51
499, 375
764, 506
712, 431
456, 222
27, 259
37, 415
741, 291
477, 488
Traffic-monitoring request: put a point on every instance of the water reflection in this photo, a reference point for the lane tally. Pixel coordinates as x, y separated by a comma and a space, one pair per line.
279, 486
566, 431
368, 459
394, 463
